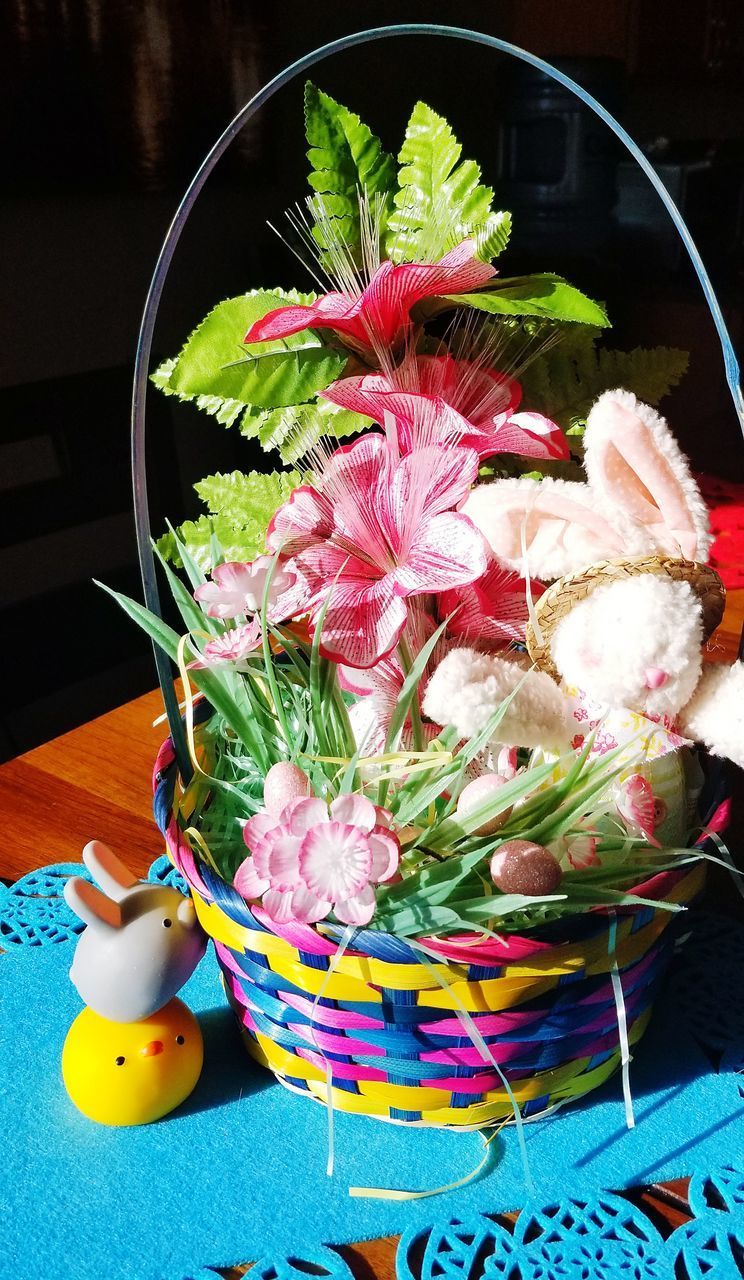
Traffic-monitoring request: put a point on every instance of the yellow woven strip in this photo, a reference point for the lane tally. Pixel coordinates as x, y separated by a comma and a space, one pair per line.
219, 926
377, 1097
570, 1081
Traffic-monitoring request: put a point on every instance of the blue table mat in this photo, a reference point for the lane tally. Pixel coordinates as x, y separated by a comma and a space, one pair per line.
238, 1172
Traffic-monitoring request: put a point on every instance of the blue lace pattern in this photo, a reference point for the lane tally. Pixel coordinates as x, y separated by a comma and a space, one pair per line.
605, 1237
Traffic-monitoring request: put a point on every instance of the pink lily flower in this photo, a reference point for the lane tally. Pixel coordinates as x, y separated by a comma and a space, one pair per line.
310, 860
379, 315
437, 399
231, 647
492, 610
375, 530
238, 589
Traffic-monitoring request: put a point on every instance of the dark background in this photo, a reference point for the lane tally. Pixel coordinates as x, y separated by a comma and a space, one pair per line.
107, 110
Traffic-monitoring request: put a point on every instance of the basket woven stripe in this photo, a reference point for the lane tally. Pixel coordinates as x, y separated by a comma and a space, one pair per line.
386, 1032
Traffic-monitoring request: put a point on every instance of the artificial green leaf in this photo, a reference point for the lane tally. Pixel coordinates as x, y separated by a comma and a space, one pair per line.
295, 429
493, 236
347, 160
237, 543
225, 411
286, 371
240, 509
565, 380
440, 200
250, 500
542, 294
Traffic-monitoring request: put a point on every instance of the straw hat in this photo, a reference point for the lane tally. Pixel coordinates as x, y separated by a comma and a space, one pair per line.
565, 593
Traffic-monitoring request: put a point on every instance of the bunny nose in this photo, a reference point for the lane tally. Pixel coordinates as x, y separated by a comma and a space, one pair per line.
149, 1051
655, 678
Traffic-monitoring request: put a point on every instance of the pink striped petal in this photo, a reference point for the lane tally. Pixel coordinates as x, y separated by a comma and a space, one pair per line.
247, 880
493, 608
306, 516
532, 435
305, 814
434, 479
358, 909
354, 810
363, 623
278, 906
446, 552
330, 310
307, 907
283, 859
385, 854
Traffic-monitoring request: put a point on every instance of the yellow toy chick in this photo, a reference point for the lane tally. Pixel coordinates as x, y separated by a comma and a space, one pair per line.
125, 1073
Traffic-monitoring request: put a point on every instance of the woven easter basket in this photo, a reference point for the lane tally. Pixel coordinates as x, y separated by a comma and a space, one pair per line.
396, 1037
459, 1031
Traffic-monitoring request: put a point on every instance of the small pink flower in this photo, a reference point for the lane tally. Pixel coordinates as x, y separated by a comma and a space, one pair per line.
232, 646
378, 316
637, 807
238, 589
310, 860
581, 852
440, 400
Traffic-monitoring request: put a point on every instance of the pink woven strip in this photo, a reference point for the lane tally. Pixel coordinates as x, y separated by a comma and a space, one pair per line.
335, 1044
300, 936
227, 958
339, 1018
343, 1070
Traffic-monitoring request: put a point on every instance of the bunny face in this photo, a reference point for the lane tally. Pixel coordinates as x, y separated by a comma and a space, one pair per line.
635, 643
141, 944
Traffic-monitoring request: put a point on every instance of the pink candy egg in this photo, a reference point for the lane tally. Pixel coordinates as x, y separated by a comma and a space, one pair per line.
283, 783
477, 793
519, 866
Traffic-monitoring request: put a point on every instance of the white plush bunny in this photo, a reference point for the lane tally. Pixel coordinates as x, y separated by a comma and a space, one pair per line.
624, 630
142, 942
640, 500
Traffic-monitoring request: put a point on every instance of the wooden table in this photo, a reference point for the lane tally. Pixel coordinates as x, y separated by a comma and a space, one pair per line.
95, 782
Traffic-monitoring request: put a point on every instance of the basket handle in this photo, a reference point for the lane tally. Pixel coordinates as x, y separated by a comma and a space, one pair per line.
144, 343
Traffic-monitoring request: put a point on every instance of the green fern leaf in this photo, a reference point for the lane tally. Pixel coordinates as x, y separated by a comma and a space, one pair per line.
440, 200
240, 509
347, 159
565, 381
296, 429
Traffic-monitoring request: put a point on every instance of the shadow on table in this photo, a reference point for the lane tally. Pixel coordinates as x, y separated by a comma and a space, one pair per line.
229, 1074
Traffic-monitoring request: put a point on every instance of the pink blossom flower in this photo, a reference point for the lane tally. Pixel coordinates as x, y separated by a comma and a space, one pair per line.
238, 589
232, 646
581, 852
375, 530
310, 860
492, 610
437, 399
637, 807
379, 315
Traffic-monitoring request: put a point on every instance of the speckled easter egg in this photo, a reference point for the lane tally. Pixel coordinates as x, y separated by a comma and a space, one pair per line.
283, 783
477, 793
519, 866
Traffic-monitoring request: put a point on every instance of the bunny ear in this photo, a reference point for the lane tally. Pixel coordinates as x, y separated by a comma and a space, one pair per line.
639, 473
111, 873
546, 528
90, 904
